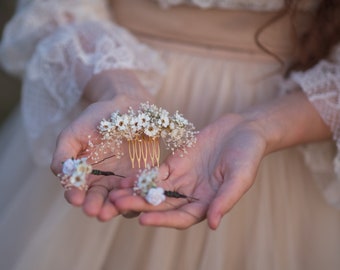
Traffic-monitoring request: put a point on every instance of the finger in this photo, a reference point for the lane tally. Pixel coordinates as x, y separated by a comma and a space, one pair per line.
108, 211
163, 172
131, 214
67, 146
227, 196
118, 193
181, 218
128, 182
125, 201
135, 203
94, 200
75, 196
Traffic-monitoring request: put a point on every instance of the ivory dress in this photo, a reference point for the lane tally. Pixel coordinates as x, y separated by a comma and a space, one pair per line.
284, 222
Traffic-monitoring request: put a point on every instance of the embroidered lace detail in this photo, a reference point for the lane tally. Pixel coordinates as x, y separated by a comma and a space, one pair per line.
321, 84
57, 46
263, 5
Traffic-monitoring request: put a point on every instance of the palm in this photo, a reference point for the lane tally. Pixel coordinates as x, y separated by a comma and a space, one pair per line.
217, 172
74, 142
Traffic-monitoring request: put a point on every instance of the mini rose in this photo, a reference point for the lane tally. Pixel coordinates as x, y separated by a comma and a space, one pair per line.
155, 196
69, 166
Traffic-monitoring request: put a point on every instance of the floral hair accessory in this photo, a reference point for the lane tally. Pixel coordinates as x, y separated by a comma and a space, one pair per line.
144, 129
146, 187
75, 173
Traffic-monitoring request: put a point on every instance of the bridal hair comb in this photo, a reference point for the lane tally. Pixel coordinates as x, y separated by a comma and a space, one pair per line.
143, 130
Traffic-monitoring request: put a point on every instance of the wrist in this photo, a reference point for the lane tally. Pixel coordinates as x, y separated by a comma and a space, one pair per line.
108, 84
287, 121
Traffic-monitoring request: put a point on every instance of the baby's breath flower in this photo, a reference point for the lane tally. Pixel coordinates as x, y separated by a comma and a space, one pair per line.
74, 173
114, 116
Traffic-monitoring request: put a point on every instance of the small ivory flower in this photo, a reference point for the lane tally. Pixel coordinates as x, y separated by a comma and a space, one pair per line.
105, 126
155, 196
78, 180
83, 167
122, 122
151, 130
164, 120
143, 120
74, 173
146, 180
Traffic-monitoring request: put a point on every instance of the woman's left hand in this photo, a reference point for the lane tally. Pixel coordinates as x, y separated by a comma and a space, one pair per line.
215, 173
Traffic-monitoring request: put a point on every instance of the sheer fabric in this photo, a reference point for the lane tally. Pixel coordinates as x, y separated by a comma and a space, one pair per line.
321, 84
68, 42
237, 4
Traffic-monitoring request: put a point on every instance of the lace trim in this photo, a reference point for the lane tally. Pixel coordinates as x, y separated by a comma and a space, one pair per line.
263, 5
321, 84
57, 50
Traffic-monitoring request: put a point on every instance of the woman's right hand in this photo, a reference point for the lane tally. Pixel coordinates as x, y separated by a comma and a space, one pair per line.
107, 92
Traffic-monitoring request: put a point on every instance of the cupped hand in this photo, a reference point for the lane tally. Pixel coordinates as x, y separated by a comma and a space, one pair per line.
215, 174
73, 141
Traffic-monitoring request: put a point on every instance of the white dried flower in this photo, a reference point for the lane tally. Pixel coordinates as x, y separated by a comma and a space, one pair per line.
164, 120
143, 120
78, 180
74, 173
83, 168
122, 122
155, 196
151, 130
146, 180
114, 116
105, 126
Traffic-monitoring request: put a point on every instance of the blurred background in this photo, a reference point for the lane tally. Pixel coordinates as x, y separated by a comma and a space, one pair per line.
9, 86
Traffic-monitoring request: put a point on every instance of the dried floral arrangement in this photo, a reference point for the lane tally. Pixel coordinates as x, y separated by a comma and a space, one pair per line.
143, 131
75, 173
146, 186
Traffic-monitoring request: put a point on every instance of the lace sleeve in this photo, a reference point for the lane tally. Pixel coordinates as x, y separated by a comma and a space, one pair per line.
321, 84
56, 47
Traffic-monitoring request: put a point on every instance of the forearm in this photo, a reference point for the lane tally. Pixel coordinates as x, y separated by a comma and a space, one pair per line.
108, 84
287, 121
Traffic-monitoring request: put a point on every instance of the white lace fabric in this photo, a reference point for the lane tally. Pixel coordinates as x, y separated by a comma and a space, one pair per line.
57, 46
321, 84
260, 5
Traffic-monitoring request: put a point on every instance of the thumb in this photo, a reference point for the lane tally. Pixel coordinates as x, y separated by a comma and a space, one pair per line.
67, 147
229, 193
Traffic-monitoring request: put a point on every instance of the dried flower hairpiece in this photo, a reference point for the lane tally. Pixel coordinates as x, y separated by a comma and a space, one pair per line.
75, 173
143, 130
146, 187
